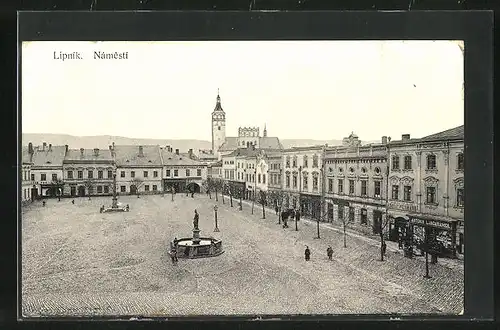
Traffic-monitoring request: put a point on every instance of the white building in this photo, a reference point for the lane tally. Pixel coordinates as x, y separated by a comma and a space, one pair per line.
26, 183
47, 170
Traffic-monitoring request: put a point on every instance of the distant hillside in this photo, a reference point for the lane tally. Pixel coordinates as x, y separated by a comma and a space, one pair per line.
103, 141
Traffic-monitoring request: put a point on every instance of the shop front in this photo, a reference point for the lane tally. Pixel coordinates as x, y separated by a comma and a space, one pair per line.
440, 234
310, 206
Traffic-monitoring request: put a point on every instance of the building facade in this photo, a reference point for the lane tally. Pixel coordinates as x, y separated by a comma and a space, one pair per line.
47, 170
218, 126
302, 181
88, 172
426, 177
139, 169
25, 175
181, 172
356, 185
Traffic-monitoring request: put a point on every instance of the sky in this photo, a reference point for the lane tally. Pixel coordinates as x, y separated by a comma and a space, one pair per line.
298, 89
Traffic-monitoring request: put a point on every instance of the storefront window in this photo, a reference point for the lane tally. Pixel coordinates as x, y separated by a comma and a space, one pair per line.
407, 193
431, 195
460, 197
395, 192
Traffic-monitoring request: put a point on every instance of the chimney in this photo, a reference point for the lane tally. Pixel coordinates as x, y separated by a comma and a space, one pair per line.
96, 152
176, 151
44, 145
141, 151
405, 137
113, 144
190, 152
50, 146
384, 139
168, 148
66, 149
30, 148
81, 151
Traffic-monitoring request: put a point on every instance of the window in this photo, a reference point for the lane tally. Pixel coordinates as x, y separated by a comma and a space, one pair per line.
351, 169
288, 180
32, 177
198, 172
110, 174
407, 162
155, 187
341, 213
341, 186
460, 161
176, 172
294, 161
106, 189
43, 177
80, 174
146, 174
263, 178
90, 174
294, 180
351, 187
168, 173
377, 188
99, 189
363, 170
122, 174
54, 177
460, 197
123, 189
146, 187
395, 192
99, 174
155, 174
306, 162
288, 161
258, 177
305, 182
377, 170
395, 162
431, 162
70, 174
91, 190
407, 193
364, 185
188, 172
431, 195
315, 182
132, 174
330, 185
315, 161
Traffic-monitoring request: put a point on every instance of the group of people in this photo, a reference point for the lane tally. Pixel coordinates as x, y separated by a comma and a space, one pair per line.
307, 253
291, 213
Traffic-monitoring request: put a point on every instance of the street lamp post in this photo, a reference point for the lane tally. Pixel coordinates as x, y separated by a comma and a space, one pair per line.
215, 215
426, 233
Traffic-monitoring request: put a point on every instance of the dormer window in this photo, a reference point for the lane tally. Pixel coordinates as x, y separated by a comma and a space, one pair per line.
48, 162
127, 161
149, 161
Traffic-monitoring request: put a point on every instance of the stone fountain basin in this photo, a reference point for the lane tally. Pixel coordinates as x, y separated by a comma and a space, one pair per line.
114, 209
206, 247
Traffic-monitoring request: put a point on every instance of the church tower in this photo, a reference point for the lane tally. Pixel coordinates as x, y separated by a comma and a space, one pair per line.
218, 126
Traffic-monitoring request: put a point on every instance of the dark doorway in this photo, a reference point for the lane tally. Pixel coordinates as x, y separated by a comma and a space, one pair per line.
330, 212
377, 222
34, 193
194, 187
81, 191
364, 216
73, 191
133, 189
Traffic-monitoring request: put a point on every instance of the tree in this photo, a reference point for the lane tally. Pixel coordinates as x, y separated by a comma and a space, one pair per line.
206, 184
89, 184
137, 183
263, 202
240, 191
280, 196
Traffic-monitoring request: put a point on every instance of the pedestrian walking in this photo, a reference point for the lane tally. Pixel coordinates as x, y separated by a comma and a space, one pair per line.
307, 253
329, 252
297, 215
192, 194
127, 207
43, 203
73, 202
276, 209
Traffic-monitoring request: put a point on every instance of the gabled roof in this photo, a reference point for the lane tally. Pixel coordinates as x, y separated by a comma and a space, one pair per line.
270, 142
88, 155
453, 133
245, 152
172, 159
128, 155
52, 157
25, 156
231, 143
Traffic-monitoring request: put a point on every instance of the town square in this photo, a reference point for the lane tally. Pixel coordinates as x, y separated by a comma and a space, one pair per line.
280, 212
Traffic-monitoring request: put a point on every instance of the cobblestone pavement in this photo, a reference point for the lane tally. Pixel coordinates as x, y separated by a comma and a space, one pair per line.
77, 261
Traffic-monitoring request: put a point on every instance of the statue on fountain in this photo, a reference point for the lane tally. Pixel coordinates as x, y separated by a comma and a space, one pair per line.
195, 220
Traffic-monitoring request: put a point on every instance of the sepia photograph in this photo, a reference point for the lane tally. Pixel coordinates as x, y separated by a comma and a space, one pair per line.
208, 178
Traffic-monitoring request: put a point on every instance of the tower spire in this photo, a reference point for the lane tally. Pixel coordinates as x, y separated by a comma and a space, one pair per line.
265, 130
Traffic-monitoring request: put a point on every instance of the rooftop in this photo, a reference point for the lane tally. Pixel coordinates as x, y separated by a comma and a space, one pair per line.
128, 155
453, 133
88, 155
172, 159
51, 156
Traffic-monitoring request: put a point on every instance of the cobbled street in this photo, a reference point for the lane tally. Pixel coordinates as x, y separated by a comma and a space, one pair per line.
79, 262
